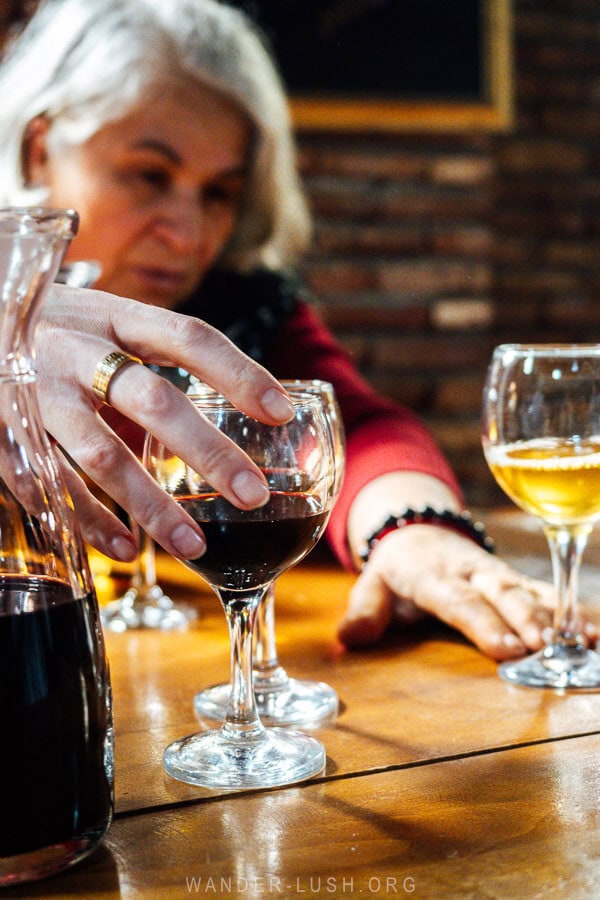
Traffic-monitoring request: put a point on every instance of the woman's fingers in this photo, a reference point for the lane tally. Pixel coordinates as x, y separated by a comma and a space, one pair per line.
80, 328
162, 409
462, 607
161, 337
99, 526
369, 611
115, 469
524, 604
504, 613
149, 400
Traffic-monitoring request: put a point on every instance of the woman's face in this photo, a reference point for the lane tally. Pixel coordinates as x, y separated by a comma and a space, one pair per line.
157, 192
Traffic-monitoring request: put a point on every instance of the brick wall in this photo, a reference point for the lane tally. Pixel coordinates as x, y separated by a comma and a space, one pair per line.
431, 249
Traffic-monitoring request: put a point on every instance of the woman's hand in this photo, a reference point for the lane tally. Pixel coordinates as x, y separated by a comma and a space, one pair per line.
426, 569
80, 327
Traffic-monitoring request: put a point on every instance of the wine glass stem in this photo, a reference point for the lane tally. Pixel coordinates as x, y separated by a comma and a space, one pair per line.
567, 544
240, 607
268, 674
145, 565
144, 589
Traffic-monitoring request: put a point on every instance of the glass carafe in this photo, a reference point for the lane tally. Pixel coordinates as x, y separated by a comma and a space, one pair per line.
56, 752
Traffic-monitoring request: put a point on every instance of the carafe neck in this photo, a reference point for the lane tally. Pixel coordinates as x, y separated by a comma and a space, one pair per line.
32, 245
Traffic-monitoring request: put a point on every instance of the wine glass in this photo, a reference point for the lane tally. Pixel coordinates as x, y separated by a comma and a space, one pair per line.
281, 699
541, 439
145, 604
246, 551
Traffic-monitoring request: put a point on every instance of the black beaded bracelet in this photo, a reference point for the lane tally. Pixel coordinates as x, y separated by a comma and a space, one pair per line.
461, 522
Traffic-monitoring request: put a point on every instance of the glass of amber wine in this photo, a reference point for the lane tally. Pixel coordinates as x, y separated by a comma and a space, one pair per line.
541, 440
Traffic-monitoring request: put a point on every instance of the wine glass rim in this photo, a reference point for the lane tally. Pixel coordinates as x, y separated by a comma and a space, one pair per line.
565, 349
306, 384
211, 399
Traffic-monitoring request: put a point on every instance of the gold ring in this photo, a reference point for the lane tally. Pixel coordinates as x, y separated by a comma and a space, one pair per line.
105, 370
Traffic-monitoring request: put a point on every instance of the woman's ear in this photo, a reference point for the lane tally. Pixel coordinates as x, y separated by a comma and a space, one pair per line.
34, 152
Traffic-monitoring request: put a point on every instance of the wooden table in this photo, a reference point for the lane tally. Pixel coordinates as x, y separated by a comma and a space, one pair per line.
441, 780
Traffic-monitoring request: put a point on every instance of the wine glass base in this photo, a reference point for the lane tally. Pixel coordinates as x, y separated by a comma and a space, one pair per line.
555, 667
296, 703
272, 758
150, 609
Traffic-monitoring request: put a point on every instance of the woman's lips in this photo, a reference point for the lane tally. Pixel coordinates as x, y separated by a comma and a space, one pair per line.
163, 280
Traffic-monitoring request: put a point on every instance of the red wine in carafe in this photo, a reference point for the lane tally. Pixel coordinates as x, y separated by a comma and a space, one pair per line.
56, 748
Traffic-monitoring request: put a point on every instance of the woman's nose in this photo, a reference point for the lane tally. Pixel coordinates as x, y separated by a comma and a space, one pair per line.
180, 223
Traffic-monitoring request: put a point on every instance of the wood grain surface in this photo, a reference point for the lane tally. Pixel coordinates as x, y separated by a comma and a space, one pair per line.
441, 780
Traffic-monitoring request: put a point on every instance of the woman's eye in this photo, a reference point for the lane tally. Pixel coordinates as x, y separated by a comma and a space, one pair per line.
222, 194
154, 177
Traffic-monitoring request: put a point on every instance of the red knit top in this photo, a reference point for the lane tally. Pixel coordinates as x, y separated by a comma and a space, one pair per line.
381, 436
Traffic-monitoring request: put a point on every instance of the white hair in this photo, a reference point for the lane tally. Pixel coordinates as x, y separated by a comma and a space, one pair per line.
84, 63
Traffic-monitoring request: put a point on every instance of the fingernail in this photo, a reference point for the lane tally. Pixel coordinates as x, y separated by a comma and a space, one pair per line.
533, 635
249, 489
187, 542
513, 642
277, 405
548, 635
123, 549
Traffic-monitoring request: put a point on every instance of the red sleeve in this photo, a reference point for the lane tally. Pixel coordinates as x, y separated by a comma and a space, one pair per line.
381, 436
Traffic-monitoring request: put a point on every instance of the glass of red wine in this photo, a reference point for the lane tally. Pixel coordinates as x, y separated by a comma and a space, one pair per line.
280, 698
246, 551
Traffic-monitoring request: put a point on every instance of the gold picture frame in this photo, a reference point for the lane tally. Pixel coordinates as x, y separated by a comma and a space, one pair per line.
492, 111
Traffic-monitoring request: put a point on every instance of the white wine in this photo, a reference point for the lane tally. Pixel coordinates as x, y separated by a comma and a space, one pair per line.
556, 479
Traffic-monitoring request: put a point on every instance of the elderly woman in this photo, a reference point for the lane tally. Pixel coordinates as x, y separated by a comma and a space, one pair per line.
165, 125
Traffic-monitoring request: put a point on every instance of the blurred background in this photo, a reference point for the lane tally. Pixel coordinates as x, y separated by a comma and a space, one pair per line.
435, 243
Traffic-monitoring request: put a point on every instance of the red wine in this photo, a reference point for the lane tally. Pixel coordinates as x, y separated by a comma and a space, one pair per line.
250, 548
56, 748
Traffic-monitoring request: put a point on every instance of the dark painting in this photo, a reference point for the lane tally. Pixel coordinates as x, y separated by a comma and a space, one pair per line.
417, 49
